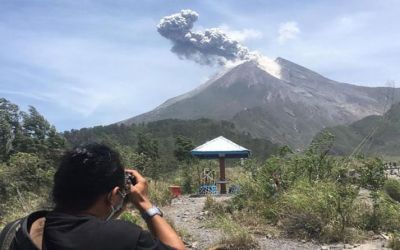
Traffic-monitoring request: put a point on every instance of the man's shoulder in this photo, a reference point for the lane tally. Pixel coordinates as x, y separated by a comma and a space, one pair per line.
15, 235
119, 234
121, 225
118, 229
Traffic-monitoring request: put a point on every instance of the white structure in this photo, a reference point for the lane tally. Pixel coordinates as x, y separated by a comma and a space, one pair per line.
220, 148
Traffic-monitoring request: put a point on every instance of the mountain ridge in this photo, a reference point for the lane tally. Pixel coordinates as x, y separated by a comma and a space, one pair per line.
375, 134
278, 100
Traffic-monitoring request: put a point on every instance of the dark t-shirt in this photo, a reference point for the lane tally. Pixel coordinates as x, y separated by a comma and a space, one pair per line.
70, 232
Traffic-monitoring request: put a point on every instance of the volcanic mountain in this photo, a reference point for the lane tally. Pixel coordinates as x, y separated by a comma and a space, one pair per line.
277, 100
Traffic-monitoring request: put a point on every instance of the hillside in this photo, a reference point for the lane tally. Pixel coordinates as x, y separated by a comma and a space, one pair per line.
382, 133
166, 131
276, 100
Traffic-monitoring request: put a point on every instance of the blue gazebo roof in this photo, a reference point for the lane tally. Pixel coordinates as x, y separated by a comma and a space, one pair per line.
220, 147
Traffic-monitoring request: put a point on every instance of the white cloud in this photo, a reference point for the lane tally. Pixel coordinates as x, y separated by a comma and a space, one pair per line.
288, 31
348, 24
241, 35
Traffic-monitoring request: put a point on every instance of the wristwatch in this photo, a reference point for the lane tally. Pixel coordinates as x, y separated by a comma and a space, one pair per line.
149, 213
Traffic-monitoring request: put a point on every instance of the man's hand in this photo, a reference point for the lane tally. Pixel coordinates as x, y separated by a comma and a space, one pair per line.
158, 226
138, 194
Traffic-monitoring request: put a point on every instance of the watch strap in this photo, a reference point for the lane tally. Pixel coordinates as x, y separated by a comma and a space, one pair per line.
149, 213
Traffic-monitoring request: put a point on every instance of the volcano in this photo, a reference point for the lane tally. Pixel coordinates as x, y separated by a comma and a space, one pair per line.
274, 99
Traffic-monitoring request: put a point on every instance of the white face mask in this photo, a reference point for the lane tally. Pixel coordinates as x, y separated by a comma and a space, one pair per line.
118, 207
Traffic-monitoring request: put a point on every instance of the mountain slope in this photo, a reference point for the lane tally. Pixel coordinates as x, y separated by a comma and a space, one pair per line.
277, 100
380, 135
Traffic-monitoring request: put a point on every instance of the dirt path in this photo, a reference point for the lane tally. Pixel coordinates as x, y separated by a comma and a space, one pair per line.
188, 216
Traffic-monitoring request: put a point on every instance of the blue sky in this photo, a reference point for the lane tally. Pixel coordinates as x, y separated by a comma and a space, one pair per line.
85, 63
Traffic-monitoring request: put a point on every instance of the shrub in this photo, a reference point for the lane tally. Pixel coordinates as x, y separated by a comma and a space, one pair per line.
25, 183
372, 174
392, 188
159, 193
362, 213
250, 195
394, 241
213, 207
234, 235
305, 209
319, 210
388, 213
131, 217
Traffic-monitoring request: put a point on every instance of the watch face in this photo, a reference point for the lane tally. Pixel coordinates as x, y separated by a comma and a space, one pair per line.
154, 210
151, 212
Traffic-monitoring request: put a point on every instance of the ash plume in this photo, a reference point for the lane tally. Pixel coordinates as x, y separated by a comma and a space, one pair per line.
208, 47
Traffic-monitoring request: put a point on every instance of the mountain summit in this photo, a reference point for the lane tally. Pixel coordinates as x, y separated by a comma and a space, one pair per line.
274, 99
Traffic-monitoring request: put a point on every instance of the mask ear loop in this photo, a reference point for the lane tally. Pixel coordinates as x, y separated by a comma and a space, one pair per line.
118, 207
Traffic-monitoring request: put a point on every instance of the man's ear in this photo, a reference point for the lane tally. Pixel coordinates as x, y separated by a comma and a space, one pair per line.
113, 197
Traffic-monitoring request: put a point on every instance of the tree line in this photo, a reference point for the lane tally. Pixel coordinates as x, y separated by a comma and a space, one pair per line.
30, 149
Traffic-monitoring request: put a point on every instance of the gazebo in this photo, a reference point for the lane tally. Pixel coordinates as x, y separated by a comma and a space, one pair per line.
220, 148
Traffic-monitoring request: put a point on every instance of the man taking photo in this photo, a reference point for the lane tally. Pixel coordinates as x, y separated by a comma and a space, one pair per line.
91, 188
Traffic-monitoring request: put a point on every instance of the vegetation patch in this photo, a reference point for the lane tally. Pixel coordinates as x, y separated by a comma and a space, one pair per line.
392, 188
235, 236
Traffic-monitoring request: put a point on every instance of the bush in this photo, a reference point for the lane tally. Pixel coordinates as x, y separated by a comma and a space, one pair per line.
388, 213
372, 174
25, 183
314, 195
213, 207
394, 241
260, 189
392, 188
130, 217
362, 213
318, 211
160, 193
305, 209
234, 235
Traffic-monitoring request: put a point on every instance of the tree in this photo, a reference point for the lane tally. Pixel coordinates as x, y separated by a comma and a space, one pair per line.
284, 150
6, 137
317, 162
183, 146
372, 174
29, 149
9, 127
131, 159
147, 146
35, 129
27, 132
38, 136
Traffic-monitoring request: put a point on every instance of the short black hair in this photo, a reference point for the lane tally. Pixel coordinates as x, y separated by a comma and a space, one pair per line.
85, 173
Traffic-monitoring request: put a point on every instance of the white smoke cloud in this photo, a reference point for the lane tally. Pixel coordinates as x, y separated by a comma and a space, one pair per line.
207, 47
241, 35
288, 31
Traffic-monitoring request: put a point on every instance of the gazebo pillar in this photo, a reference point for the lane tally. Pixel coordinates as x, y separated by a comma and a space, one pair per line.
222, 174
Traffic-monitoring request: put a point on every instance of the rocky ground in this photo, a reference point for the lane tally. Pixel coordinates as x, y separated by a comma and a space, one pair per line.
189, 218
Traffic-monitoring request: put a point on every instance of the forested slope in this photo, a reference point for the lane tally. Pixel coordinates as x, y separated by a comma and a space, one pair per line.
372, 135
163, 135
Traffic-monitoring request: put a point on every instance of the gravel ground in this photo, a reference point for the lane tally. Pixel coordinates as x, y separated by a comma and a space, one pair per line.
188, 216
186, 212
